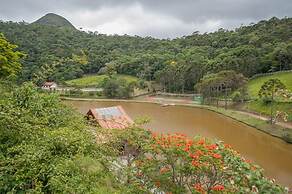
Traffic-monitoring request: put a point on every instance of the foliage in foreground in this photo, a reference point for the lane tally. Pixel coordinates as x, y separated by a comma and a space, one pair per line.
47, 148
173, 163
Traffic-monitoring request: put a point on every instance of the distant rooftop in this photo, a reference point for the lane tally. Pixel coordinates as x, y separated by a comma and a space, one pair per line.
48, 83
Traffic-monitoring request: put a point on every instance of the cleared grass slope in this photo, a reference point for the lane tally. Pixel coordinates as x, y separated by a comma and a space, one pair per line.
258, 105
96, 80
255, 84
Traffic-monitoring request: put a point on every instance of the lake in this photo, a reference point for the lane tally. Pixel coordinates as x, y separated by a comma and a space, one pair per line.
271, 153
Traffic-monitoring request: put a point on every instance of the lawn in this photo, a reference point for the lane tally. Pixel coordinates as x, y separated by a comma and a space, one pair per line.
275, 130
254, 85
262, 108
258, 105
96, 80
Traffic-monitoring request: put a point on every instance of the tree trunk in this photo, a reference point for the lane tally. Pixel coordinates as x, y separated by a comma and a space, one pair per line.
272, 107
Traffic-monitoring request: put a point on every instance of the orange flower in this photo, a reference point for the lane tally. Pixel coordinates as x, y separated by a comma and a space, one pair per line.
227, 146
201, 142
218, 156
198, 187
218, 188
195, 163
212, 147
190, 142
187, 148
194, 156
199, 153
179, 144
248, 161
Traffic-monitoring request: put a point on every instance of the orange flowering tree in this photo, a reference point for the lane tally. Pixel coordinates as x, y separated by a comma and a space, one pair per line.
173, 163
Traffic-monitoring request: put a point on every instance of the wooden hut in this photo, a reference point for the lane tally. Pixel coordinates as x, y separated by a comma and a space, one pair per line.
110, 117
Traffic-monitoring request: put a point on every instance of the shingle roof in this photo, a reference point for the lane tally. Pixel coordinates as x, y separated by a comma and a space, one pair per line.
48, 83
111, 117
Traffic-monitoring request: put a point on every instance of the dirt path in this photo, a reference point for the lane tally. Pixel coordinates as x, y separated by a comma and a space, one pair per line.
265, 118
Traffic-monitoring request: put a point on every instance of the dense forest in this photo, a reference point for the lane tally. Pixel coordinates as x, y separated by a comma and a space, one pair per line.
60, 54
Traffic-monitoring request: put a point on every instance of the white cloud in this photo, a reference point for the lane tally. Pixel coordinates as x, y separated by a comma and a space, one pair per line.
158, 18
135, 20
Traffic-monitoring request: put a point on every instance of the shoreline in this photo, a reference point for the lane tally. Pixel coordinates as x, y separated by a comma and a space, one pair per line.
247, 119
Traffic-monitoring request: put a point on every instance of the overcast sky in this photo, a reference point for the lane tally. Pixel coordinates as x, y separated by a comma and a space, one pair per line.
157, 18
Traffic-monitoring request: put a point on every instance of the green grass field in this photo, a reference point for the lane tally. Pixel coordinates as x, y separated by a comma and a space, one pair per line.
96, 80
254, 85
258, 105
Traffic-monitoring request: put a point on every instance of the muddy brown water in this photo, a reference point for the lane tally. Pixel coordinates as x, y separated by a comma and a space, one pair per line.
271, 153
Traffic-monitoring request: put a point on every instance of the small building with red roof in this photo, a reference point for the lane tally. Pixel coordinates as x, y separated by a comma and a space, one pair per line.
110, 117
49, 86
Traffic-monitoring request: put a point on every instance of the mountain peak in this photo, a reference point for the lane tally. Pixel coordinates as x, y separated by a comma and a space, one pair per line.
53, 19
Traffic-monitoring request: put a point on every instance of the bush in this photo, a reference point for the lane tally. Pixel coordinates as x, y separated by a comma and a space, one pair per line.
75, 92
91, 93
46, 147
142, 84
115, 87
177, 164
236, 96
287, 136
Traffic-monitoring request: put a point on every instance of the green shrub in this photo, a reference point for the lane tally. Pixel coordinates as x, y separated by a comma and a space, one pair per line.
116, 87
45, 147
287, 136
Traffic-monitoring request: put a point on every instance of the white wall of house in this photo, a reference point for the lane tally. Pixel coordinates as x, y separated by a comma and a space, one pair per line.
51, 87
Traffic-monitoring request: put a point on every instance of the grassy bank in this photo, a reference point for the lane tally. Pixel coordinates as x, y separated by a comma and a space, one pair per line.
262, 108
255, 84
96, 80
262, 125
257, 105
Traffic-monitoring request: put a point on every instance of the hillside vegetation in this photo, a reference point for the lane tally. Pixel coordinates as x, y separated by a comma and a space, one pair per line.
62, 54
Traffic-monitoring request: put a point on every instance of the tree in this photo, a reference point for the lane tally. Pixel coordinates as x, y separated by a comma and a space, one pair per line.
46, 147
219, 84
269, 90
114, 87
175, 163
282, 57
9, 59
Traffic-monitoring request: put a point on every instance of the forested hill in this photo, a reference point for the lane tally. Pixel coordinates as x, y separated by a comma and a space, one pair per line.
61, 54
52, 19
